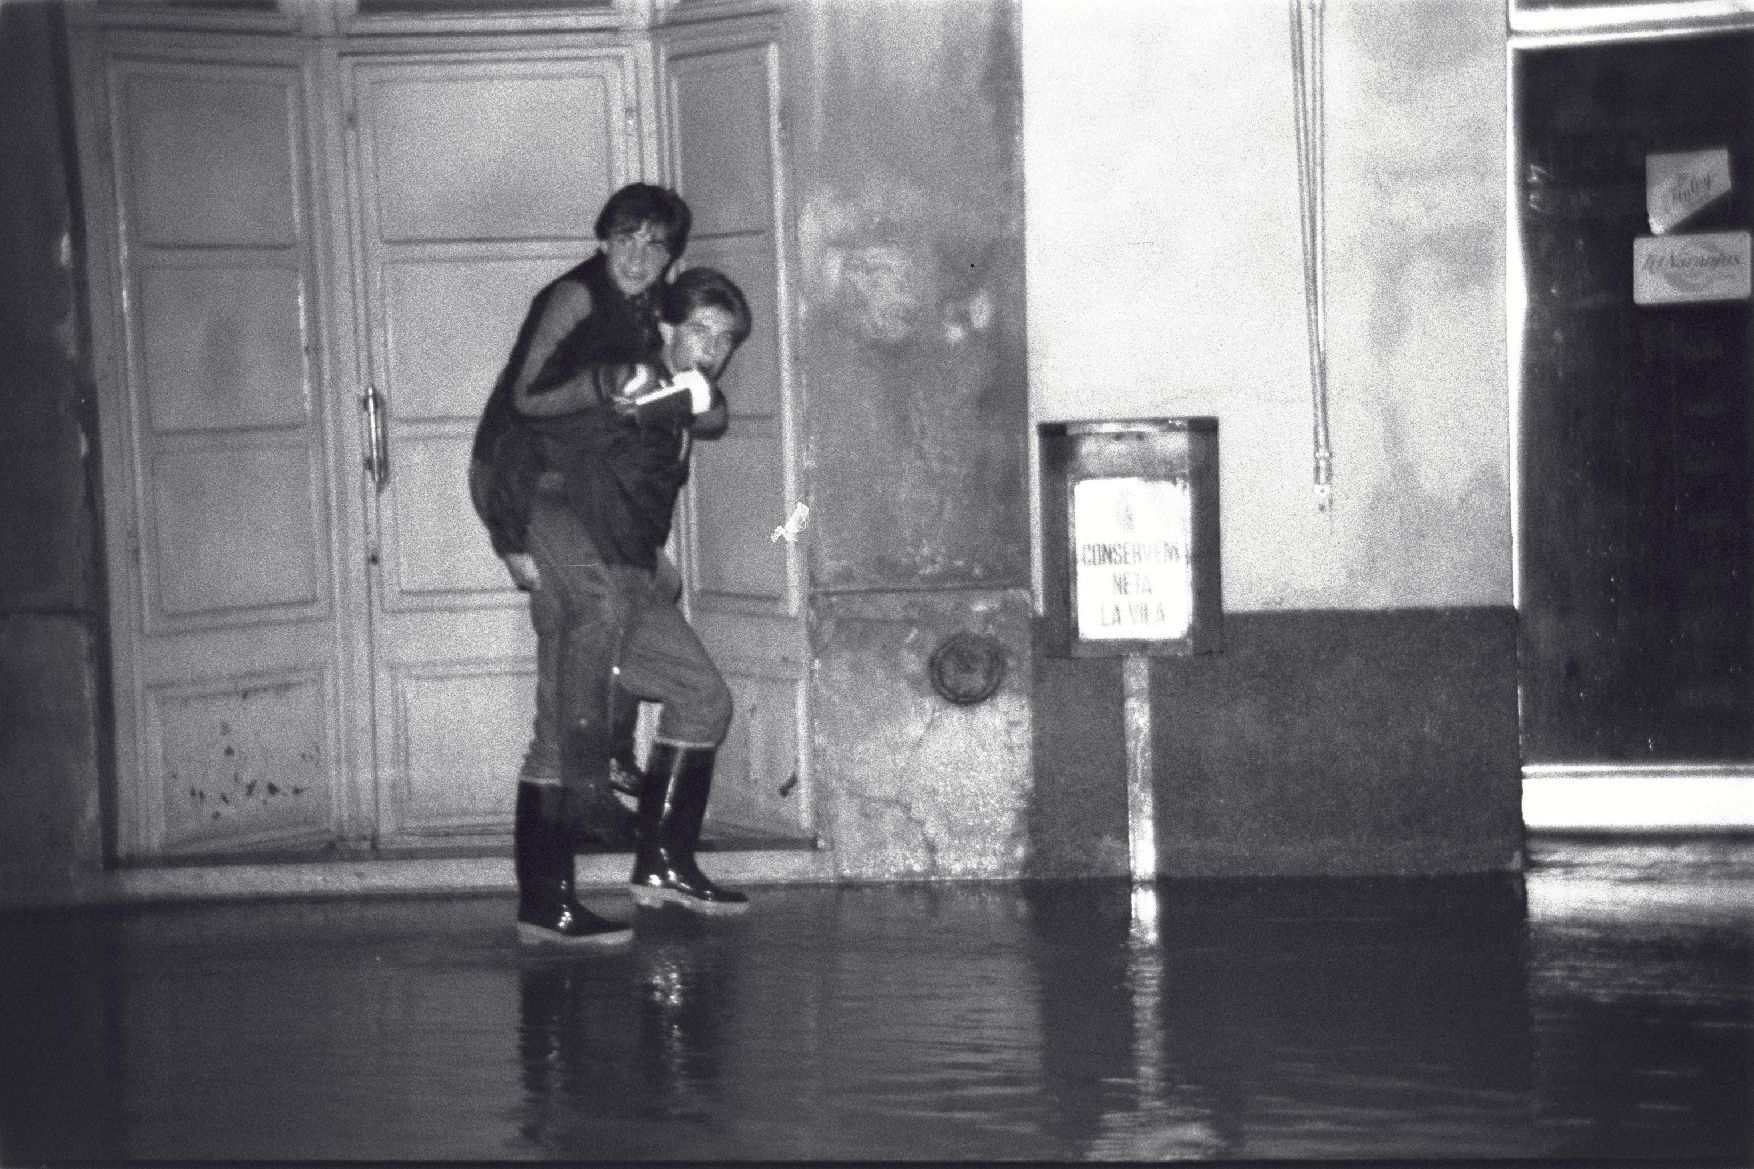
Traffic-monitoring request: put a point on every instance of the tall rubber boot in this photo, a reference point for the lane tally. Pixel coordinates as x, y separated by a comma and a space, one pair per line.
548, 914
672, 805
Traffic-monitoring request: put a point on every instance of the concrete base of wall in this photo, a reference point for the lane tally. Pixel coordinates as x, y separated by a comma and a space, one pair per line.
50, 812
1316, 743
914, 786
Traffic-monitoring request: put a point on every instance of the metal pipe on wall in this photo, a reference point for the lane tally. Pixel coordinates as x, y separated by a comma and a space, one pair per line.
1306, 74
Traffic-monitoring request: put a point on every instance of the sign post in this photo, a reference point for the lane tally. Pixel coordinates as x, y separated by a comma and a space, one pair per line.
1130, 533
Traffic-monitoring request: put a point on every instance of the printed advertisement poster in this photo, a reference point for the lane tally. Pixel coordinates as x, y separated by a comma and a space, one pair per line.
1680, 269
1680, 185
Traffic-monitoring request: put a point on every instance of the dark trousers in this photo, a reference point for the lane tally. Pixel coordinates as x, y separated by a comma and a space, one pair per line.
613, 633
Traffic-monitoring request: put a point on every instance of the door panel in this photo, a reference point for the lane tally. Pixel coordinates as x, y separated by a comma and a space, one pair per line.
454, 310
460, 730
240, 759
743, 585
499, 149
208, 155
735, 510
208, 497
225, 593
479, 178
222, 344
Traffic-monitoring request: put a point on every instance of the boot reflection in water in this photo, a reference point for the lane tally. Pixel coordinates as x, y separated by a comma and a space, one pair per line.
672, 805
542, 853
685, 974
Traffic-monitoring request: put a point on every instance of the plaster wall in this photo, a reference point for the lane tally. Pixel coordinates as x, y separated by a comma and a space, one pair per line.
908, 185
1165, 276
908, 190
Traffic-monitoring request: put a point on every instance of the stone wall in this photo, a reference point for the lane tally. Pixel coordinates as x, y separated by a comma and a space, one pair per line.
53, 699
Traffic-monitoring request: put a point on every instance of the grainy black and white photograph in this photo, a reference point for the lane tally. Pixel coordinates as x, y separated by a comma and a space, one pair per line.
883, 581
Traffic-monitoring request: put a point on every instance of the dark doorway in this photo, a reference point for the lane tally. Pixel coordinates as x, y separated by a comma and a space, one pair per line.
1637, 621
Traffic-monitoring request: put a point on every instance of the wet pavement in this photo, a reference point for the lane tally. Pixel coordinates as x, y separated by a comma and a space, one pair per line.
1562, 1015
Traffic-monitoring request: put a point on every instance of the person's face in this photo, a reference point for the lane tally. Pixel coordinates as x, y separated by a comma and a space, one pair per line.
704, 341
637, 255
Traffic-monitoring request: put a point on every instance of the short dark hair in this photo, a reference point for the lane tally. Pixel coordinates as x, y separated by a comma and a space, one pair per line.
706, 288
641, 203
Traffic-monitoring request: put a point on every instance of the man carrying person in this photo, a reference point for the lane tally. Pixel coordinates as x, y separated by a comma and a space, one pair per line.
615, 437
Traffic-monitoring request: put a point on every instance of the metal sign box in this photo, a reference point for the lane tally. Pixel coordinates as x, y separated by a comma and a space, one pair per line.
1130, 537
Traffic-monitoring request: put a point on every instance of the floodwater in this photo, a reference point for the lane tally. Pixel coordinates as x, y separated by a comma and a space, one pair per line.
1549, 1017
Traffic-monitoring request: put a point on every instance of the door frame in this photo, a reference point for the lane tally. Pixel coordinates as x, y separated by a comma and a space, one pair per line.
1598, 797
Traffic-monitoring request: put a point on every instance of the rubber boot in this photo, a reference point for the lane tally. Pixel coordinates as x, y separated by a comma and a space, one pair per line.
672, 805
542, 855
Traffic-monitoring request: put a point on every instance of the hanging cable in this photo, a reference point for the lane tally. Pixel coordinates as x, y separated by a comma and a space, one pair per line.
1306, 74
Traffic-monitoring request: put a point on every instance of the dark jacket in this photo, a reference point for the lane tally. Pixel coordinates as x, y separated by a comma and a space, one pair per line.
602, 325
620, 472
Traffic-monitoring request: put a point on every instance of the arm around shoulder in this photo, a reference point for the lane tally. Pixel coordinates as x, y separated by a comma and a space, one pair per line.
562, 388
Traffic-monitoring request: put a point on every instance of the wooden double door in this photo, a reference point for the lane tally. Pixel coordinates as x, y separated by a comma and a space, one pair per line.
308, 262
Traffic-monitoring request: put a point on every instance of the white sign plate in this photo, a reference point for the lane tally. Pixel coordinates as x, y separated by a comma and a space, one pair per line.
1679, 269
1677, 186
1132, 578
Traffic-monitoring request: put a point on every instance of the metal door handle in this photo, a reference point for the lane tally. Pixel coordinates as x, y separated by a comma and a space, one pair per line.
377, 454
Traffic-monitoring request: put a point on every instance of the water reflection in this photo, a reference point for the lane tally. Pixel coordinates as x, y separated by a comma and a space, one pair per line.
1198, 1020
613, 1043
1276, 1019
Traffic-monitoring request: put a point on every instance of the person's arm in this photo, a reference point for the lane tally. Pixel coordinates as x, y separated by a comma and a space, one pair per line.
568, 303
634, 390
687, 399
565, 304
563, 388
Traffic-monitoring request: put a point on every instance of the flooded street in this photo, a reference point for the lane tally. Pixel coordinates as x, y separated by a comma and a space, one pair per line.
1553, 1017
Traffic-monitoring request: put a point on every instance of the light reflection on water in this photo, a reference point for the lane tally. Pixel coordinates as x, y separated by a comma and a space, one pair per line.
1254, 1019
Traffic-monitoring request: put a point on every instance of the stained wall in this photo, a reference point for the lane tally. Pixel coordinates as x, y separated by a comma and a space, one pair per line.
907, 180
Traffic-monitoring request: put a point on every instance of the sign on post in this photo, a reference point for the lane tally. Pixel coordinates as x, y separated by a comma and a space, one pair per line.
1130, 537
1131, 575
